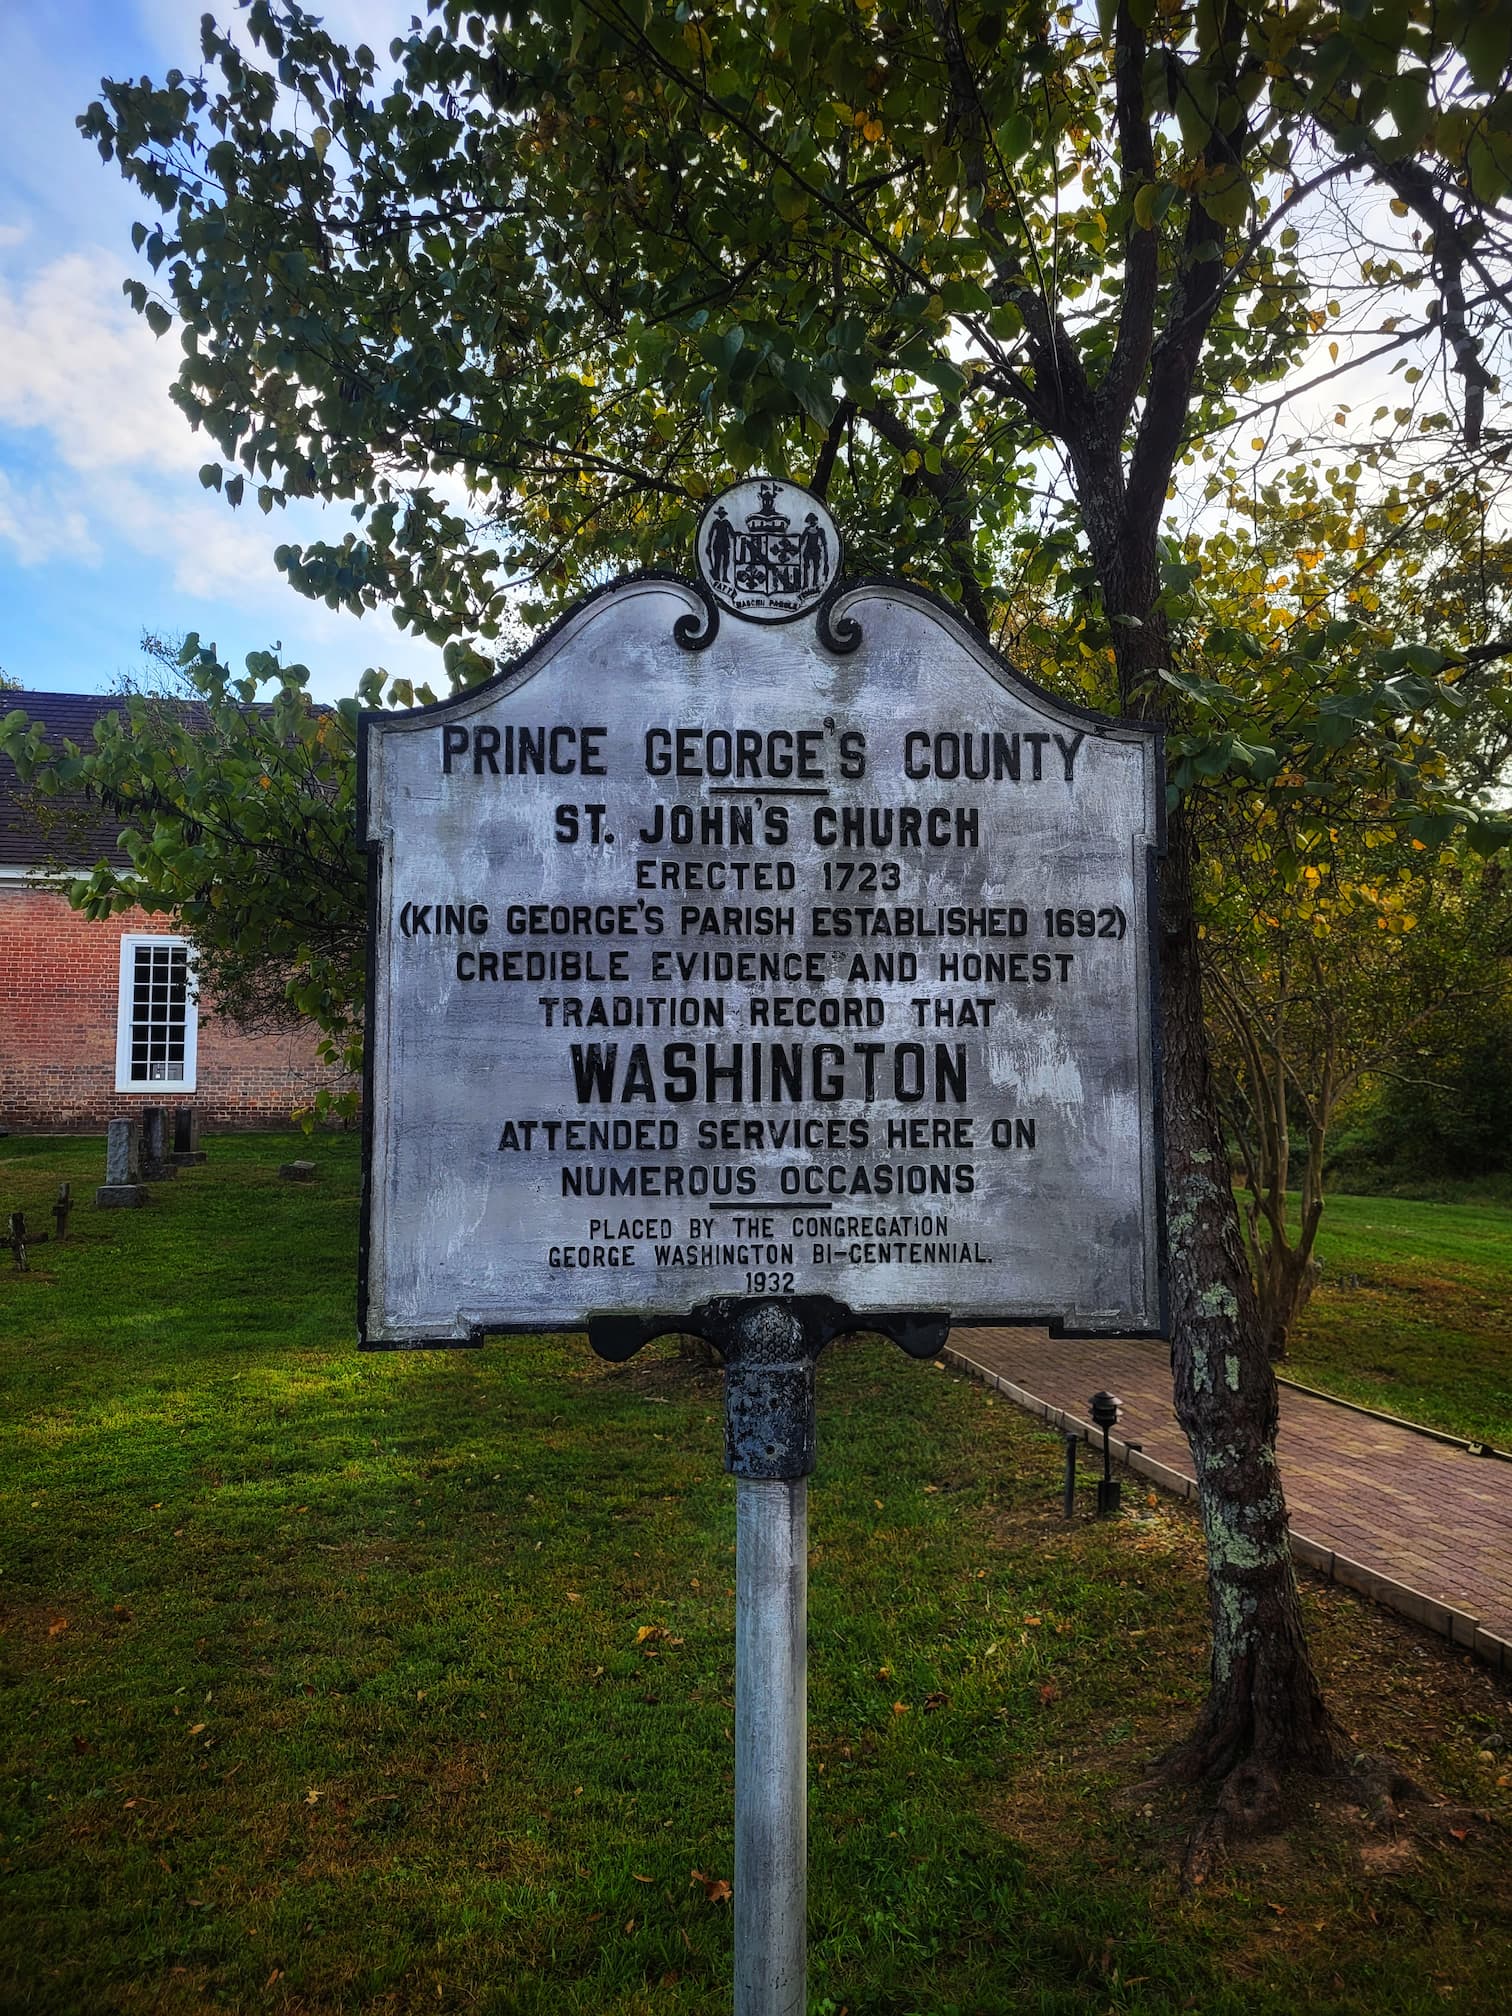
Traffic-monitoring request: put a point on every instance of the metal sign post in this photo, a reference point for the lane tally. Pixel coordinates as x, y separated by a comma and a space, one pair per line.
769, 1426
769, 1351
760, 955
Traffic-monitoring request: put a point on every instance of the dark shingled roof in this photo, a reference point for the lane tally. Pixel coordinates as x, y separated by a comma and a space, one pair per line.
70, 831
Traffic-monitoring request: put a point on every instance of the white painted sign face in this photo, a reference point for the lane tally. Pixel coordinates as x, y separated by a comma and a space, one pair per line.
759, 969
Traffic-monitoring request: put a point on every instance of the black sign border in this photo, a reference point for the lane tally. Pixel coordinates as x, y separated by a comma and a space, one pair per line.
612, 1330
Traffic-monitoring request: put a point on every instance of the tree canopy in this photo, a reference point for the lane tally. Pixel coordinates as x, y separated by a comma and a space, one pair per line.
526, 290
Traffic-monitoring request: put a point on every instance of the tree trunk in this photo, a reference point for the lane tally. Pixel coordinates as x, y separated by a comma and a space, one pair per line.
1264, 1709
1288, 1275
1264, 1713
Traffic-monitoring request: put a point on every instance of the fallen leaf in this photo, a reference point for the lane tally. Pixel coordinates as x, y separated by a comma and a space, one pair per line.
57, 1627
1459, 1833
198, 1726
1279, 1909
1034, 1620
652, 1631
932, 1701
276, 1975
715, 1888
629, 1924
312, 1797
641, 1879
573, 1596
82, 1745
1049, 1692
900, 1707
129, 1804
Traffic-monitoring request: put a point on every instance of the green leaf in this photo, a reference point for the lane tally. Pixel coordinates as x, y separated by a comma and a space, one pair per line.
1226, 198
159, 321
791, 202
1151, 202
1015, 137
1486, 45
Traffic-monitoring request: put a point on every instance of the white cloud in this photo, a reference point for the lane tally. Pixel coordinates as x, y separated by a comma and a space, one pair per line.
83, 368
38, 523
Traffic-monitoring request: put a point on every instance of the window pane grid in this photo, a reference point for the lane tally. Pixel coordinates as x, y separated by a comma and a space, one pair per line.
159, 1013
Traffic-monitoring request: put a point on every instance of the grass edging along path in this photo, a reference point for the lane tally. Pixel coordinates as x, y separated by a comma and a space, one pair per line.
1413, 1315
332, 1683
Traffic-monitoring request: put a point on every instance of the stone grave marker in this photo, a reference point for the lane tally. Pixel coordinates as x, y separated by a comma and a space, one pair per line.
156, 1166
123, 1188
187, 1152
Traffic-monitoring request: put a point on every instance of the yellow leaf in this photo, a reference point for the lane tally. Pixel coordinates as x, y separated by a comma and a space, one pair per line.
900, 1707
1258, 442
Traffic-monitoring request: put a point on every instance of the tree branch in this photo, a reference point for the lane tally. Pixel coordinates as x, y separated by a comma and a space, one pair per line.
1136, 146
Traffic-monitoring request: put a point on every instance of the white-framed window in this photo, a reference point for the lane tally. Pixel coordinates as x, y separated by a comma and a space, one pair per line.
157, 1015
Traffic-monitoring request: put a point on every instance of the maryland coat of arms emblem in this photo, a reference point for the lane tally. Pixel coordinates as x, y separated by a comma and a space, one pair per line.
767, 550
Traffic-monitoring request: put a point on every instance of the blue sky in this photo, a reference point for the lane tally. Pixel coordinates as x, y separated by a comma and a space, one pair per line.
104, 529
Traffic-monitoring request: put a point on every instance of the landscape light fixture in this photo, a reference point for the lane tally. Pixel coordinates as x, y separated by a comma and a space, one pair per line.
1106, 1412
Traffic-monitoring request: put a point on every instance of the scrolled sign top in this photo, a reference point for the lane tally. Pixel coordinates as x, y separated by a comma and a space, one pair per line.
767, 551
756, 960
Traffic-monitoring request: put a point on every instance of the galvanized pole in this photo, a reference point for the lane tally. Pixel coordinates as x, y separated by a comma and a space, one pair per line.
769, 1446
771, 1747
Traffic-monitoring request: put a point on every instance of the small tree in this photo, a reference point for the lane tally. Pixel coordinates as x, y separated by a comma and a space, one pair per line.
1356, 969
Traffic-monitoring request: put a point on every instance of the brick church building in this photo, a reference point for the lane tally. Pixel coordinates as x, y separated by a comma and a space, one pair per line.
98, 1020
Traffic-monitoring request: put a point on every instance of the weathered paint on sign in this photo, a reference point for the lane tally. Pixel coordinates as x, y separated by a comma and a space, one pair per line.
760, 969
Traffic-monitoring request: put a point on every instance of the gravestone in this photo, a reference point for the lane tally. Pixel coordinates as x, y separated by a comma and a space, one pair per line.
187, 1152
297, 1172
61, 1209
123, 1188
155, 1163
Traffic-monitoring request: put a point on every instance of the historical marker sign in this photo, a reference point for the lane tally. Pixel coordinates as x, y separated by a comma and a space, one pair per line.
809, 957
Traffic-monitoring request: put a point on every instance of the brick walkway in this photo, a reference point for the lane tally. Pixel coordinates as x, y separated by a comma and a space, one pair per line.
1419, 1525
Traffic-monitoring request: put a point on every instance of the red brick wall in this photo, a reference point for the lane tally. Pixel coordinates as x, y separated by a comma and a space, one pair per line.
59, 984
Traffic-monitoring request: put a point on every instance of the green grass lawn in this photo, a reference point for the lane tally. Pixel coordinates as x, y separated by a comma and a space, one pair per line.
334, 1683
1414, 1313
